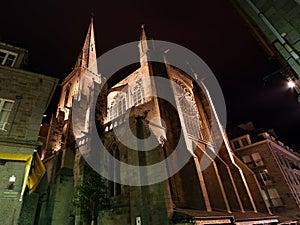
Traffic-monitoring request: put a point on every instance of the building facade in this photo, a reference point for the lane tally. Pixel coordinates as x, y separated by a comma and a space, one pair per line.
24, 98
197, 194
276, 26
277, 168
226, 192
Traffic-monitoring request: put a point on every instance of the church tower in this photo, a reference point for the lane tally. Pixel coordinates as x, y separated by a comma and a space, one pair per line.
61, 157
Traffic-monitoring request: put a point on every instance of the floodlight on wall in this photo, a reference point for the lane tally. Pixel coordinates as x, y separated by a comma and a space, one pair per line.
138, 220
12, 180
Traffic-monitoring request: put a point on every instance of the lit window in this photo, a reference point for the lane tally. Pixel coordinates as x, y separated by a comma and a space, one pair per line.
5, 109
118, 106
190, 113
274, 197
137, 93
257, 159
266, 198
7, 58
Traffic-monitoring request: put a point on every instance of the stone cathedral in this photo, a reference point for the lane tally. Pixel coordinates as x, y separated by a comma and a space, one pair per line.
226, 192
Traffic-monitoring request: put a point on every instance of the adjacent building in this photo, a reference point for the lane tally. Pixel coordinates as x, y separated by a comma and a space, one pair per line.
24, 98
276, 166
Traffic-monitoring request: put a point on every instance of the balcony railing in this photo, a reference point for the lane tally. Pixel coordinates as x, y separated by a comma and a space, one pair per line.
115, 123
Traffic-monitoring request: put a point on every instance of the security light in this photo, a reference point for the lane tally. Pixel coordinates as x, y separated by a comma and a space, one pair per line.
12, 181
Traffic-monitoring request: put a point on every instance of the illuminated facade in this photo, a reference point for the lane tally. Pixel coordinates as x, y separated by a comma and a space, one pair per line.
226, 192
277, 168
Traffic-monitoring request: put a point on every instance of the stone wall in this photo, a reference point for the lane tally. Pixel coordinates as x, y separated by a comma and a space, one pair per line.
31, 94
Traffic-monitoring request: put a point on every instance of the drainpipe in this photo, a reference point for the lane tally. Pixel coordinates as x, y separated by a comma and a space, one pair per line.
275, 32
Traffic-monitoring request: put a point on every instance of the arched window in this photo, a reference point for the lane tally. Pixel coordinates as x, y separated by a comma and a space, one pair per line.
114, 170
67, 90
118, 106
190, 113
137, 93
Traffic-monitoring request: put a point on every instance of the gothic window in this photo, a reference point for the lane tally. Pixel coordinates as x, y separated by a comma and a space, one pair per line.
5, 109
67, 96
118, 106
190, 113
7, 58
114, 171
137, 93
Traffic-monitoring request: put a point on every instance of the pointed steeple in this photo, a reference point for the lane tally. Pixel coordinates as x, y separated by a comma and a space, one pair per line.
143, 33
144, 45
87, 57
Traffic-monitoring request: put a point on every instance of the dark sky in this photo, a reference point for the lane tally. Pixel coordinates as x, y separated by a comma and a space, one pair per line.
53, 31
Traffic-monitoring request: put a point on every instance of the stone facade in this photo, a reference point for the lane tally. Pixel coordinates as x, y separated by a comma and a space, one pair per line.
24, 99
277, 168
225, 189
65, 167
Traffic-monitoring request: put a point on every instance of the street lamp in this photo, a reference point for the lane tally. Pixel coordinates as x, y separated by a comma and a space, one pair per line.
294, 84
291, 84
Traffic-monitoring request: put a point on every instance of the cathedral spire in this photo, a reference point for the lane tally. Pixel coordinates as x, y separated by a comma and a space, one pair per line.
143, 33
144, 45
87, 57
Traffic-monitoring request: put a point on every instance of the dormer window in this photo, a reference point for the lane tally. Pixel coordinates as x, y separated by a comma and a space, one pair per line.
7, 58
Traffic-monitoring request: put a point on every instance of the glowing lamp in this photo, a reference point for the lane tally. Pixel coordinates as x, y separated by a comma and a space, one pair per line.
12, 181
291, 84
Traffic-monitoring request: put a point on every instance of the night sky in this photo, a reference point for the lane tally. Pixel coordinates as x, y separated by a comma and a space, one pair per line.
53, 32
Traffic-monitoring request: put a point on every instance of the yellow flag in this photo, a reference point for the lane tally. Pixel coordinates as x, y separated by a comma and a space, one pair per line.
33, 172
36, 173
